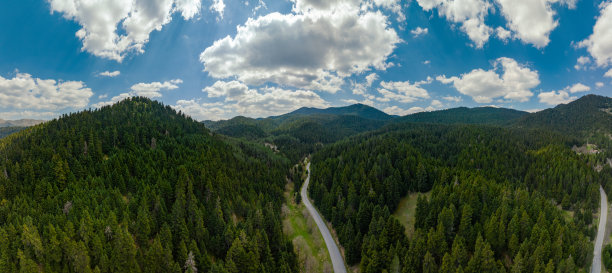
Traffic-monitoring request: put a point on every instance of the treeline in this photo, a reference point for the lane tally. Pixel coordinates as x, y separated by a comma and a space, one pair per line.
137, 187
495, 199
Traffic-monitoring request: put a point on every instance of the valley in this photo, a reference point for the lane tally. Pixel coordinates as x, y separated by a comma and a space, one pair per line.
332, 248
458, 190
305, 136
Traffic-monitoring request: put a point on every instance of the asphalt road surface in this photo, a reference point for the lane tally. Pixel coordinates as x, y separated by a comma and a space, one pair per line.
603, 212
334, 252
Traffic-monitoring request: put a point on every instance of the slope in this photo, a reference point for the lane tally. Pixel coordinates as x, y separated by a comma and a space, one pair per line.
300, 132
136, 187
358, 109
494, 206
583, 117
464, 115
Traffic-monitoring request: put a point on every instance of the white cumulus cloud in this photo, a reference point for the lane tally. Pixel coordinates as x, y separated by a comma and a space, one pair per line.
219, 7
152, 90
508, 80
404, 92
112, 28
231, 90
503, 34
395, 110
109, 74
579, 87
314, 48
393, 5
418, 31
35, 97
371, 78
436, 104
310, 6
149, 90
469, 13
242, 100
452, 98
202, 111
599, 44
532, 21
556, 97
582, 62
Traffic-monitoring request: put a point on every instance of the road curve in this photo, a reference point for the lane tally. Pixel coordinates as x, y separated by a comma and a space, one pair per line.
603, 217
334, 252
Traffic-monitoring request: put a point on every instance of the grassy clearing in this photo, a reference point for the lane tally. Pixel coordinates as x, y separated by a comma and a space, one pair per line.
568, 215
306, 238
406, 209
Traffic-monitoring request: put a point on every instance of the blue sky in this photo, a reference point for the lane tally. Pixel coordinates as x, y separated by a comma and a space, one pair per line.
215, 59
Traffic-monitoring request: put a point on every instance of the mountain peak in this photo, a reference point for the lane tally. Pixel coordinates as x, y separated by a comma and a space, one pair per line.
478, 115
582, 117
358, 109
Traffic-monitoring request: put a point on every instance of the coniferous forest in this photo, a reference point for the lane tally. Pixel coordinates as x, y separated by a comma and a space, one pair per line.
496, 200
139, 187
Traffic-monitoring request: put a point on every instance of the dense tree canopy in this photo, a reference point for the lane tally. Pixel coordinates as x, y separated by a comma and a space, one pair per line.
495, 199
136, 187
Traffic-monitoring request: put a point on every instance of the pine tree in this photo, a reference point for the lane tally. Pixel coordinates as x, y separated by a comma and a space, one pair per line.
429, 264
482, 259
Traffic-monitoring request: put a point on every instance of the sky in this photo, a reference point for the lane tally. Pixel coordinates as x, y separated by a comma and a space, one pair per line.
216, 59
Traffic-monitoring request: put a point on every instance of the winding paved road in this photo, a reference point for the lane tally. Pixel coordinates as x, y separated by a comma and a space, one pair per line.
603, 212
334, 252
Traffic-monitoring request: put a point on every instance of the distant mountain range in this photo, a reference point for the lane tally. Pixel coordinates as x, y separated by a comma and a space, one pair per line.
160, 171
478, 115
582, 118
359, 110
20, 122
307, 126
359, 114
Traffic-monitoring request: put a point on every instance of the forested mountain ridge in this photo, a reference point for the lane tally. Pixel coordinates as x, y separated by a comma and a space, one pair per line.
360, 110
464, 115
273, 122
137, 187
588, 115
300, 132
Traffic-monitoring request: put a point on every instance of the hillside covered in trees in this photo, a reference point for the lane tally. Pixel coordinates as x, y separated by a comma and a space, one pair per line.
496, 199
137, 187
464, 115
584, 117
305, 130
